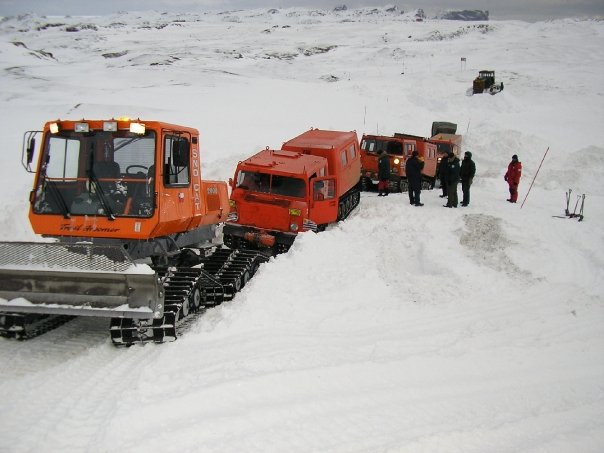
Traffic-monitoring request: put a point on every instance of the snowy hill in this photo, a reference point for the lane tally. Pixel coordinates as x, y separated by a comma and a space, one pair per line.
399, 330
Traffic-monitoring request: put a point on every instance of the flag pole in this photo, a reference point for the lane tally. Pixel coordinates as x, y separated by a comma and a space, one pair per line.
534, 177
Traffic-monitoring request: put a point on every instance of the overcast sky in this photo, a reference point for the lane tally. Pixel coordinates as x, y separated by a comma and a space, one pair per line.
499, 9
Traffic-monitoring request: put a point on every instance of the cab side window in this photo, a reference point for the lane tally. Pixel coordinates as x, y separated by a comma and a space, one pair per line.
343, 157
353, 152
324, 190
176, 160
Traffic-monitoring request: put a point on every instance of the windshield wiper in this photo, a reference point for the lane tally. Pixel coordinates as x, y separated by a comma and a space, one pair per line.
58, 196
101, 194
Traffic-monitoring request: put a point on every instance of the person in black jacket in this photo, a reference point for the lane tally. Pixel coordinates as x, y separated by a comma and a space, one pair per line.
383, 174
467, 172
413, 170
452, 180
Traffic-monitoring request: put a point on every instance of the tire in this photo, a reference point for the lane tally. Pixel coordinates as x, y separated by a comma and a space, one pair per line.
254, 267
237, 284
184, 309
195, 299
245, 278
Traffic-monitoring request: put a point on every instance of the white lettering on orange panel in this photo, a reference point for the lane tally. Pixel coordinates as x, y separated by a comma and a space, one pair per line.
197, 197
195, 163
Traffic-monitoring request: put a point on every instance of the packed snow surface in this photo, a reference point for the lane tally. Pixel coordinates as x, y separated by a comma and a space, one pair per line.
401, 329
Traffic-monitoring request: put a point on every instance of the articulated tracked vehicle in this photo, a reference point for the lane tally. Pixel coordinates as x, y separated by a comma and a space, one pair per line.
132, 226
399, 148
310, 182
446, 139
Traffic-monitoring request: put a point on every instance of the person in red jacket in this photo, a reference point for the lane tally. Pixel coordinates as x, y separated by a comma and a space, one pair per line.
512, 176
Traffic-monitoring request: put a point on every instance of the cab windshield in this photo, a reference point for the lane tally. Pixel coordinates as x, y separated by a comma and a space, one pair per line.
373, 145
444, 148
274, 184
97, 173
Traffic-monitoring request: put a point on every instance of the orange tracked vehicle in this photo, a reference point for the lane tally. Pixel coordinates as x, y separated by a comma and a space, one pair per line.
399, 148
446, 139
133, 232
310, 182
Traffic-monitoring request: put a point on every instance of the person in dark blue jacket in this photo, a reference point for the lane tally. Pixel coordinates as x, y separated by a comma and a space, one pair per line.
453, 169
413, 170
466, 173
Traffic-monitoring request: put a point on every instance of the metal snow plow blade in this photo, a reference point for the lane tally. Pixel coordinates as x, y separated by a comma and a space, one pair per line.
76, 279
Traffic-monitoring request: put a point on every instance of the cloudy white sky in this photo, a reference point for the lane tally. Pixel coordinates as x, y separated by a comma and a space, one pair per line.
499, 9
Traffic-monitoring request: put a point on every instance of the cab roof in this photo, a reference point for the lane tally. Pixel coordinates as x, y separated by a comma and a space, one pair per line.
285, 162
317, 138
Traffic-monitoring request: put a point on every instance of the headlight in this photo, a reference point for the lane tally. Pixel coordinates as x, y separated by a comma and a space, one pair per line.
397, 161
293, 211
232, 203
54, 128
82, 127
233, 216
110, 126
137, 128
293, 227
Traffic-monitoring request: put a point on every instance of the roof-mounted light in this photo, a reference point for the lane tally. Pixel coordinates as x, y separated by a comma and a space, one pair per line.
54, 128
137, 128
110, 126
82, 127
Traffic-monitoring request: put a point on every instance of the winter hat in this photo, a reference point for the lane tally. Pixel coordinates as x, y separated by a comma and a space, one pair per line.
514, 157
415, 153
468, 154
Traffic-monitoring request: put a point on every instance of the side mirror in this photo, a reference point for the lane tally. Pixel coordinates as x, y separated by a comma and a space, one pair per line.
28, 148
231, 182
30, 151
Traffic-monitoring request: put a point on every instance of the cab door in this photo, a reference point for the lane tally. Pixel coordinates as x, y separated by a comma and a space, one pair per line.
324, 200
176, 197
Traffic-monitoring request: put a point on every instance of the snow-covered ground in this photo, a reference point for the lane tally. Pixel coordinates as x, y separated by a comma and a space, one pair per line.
477, 329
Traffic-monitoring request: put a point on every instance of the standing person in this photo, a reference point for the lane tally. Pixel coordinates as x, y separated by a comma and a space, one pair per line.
512, 176
467, 172
452, 180
413, 170
442, 174
383, 174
